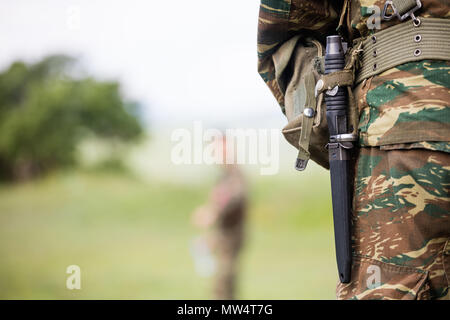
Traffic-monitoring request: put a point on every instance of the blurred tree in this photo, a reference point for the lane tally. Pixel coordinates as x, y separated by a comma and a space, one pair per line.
45, 111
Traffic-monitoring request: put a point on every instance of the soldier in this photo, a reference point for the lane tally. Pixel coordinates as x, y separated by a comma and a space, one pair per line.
401, 202
224, 215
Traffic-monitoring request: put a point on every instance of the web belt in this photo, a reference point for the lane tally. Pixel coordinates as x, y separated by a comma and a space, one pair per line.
424, 38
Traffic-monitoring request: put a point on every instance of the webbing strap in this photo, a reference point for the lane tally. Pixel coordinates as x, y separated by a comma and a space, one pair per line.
402, 9
338, 78
403, 6
307, 123
402, 43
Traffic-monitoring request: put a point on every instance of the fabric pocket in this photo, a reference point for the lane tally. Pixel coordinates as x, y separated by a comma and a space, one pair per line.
298, 76
408, 104
374, 279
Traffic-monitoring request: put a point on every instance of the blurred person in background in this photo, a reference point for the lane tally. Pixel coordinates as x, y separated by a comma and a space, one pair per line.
223, 216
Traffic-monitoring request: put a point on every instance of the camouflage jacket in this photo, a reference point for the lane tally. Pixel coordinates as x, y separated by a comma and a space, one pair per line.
229, 199
405, 107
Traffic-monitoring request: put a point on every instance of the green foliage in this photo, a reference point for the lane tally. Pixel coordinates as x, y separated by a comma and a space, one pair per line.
45, 111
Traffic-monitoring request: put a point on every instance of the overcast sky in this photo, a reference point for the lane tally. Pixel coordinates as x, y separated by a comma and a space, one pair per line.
183, 60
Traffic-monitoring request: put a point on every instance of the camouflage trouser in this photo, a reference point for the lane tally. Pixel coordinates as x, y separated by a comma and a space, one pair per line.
228, 243
401, 226
225, 279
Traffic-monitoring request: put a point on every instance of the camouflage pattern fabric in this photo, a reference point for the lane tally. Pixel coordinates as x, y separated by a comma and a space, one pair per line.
401, 222
229, 199
407, 104
280, 20
401, 226
360, 11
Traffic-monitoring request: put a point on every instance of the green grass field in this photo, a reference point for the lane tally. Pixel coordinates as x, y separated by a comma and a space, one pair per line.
131, 238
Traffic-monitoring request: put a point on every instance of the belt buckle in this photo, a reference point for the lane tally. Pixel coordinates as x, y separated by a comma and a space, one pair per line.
402, 17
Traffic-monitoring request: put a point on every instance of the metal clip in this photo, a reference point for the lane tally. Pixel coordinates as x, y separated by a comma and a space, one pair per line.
345, 137
401, 17
319, 86
300, 164
332, 92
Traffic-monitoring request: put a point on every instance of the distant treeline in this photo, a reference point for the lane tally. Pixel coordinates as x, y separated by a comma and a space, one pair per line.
47, 108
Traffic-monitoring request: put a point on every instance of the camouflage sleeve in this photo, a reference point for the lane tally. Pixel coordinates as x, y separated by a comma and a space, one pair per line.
280, 20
